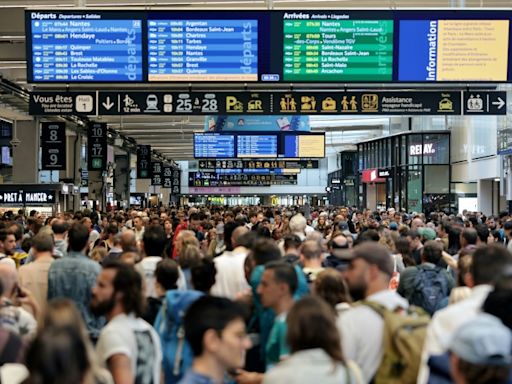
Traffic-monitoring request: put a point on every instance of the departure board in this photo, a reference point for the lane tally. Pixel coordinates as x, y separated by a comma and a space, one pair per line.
85, 47
256, 146
337, 50
203, 50
214, 146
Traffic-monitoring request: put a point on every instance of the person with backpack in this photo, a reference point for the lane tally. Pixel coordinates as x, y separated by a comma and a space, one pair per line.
374, 331
489, 262
169, 323
427, 285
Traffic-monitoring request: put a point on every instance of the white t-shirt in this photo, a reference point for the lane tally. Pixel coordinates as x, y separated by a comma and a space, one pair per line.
361, 330
230, 278
147, 268
136, 339
7, 260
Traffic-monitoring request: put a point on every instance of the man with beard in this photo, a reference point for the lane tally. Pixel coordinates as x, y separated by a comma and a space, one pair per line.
128, 346
7, 247
361, 328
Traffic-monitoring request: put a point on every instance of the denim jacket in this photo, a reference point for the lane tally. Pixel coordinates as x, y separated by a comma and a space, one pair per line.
73, 277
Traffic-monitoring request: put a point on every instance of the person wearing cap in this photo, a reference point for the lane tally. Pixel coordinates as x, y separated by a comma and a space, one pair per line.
481, 349
339, 249
361, 328
427, 234
344, 228
489, 261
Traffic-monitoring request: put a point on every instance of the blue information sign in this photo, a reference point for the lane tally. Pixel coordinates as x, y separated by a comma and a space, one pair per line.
214, 146
85, 47
257, 146
203, 50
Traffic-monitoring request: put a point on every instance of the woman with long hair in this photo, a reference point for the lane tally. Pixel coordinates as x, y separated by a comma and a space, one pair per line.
315, 347
62, 313
59, 355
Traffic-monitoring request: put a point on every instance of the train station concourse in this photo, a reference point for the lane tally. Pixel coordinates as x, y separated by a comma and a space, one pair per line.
262, 191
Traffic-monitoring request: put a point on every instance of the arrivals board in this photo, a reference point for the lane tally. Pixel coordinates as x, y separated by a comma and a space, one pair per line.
84, 47
269, 46
337, 50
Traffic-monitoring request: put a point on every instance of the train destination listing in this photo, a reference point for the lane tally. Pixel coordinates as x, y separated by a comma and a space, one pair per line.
338, 50
214, 146
203, 50
85, 49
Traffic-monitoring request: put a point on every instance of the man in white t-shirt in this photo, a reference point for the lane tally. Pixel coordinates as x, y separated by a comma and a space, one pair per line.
128, 346
138, 228
361, 328
230, 278
153, 244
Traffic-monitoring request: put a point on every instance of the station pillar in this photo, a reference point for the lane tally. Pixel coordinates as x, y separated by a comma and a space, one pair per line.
25, 166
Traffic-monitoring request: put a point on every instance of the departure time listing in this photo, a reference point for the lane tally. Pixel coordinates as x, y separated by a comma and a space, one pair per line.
337, 50
85, 48
203, 50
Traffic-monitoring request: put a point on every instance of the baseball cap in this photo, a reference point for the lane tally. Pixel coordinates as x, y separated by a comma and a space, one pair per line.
427, 233
340, 248
374, 253
483, 340
343, 225
393, 226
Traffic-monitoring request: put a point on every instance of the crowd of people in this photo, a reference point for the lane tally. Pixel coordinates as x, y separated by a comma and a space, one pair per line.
252, 294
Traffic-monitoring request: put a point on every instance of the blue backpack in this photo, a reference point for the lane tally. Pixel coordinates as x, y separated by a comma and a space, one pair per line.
177, 355
430, 289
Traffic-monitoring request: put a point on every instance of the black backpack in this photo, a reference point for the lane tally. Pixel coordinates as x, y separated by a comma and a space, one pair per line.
430, 289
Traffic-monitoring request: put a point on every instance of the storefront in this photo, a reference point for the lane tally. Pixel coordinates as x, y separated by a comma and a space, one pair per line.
409, 171
342, 184
46, 199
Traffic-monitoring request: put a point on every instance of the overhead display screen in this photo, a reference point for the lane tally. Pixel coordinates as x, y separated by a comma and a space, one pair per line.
203, 50
210, 145
296, 146
337, 50
268, 46
257, 146
454, 50
84, 47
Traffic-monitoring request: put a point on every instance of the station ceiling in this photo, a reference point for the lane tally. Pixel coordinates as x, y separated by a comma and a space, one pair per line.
172, 137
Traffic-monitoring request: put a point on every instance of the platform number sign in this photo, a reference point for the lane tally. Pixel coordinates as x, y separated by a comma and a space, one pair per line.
97, 146
176, 182
53, 146
143, 161
167, 177
156, 172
